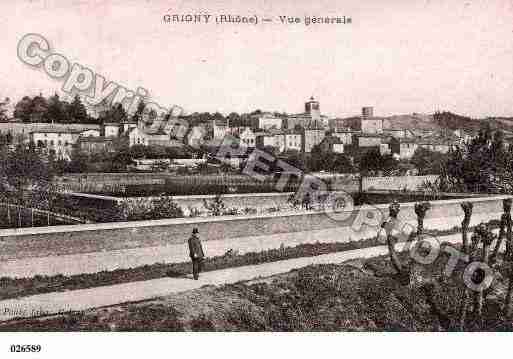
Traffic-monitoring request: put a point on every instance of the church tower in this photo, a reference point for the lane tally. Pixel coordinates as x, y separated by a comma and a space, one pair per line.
312, 108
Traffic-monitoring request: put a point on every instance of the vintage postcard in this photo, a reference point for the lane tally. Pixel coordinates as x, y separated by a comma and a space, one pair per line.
255, 166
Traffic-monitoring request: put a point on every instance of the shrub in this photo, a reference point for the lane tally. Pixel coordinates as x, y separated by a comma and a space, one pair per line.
216, 207
150, 208
194, 212
249, 210
231, 212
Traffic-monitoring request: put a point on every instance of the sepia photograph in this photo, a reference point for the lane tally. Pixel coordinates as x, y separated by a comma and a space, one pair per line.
255, 166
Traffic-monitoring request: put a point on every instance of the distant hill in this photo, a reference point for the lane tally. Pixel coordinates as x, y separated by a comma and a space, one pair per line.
413, 122
505, 121
454, 121
436, 122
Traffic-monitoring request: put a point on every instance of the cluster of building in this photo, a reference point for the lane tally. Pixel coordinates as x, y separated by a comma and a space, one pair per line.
265, 130
301, 132
61, 139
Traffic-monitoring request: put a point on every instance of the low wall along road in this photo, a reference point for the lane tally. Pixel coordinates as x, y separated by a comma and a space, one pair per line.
87, 238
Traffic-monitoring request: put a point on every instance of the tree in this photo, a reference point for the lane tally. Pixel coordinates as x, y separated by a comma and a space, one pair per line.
138, 151
139, 112
121, 159
115, 113
3, 109
55, 111
320, 159
77, 112
235, 120
323, 159
23, 109
218, 117
23, 172
79, 162
428, 162
273, 151
373, 161
39, 109
482, 165
294, 158
342, 164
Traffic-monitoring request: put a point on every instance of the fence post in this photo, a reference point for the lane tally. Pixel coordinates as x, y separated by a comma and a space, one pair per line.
48, 217
19, 217
32, 216
9, 213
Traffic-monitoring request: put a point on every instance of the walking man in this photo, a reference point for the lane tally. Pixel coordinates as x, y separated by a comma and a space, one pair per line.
196, 253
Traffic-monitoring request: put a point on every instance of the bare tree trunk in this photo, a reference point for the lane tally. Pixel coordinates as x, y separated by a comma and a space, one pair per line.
508, 309
509, 244
502, 233
484, 235
420, 211
443, 319
467, 209
394, 257
479, 297
463, 309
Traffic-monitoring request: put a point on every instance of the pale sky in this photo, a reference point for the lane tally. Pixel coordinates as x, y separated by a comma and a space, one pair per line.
400, 56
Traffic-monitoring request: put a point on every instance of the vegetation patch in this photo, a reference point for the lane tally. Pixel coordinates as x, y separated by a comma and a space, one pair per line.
21, 287
359, 295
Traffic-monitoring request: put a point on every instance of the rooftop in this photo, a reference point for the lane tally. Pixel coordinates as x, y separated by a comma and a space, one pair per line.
96, 139
58, 130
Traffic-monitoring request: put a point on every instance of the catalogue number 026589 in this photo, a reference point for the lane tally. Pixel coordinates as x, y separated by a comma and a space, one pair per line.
28, 348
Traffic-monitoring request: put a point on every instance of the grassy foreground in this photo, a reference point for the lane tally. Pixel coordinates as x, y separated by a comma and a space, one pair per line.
359, 295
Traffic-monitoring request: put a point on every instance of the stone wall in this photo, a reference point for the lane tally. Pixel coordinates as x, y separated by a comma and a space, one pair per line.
411, 183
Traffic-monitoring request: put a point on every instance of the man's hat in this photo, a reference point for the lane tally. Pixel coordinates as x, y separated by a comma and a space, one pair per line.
195, 230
